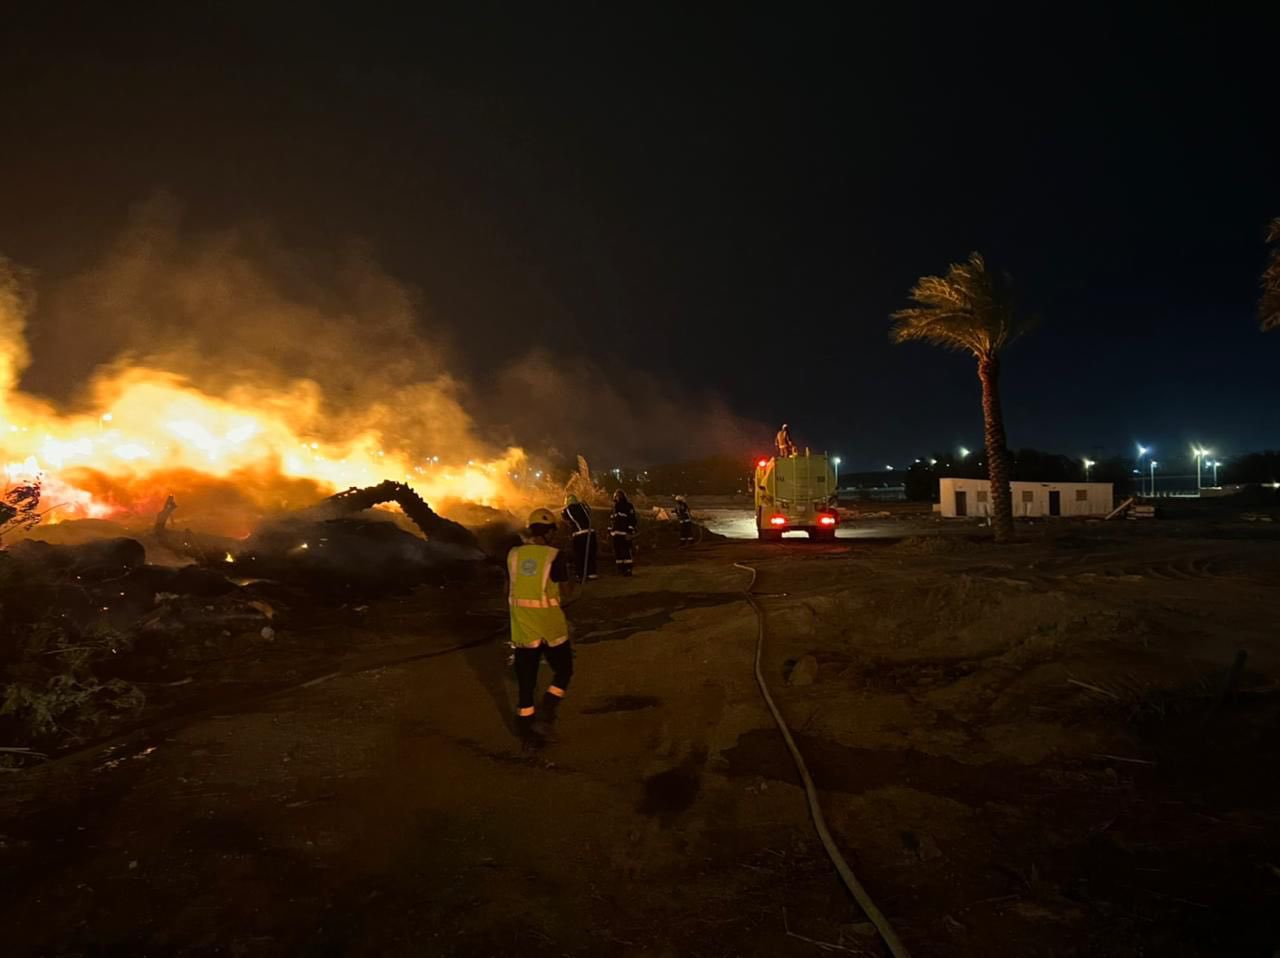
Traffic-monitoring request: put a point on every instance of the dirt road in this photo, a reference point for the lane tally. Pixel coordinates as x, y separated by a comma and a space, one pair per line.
1022, 751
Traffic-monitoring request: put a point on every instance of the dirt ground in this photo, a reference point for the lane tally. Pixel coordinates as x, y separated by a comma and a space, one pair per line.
1030, 750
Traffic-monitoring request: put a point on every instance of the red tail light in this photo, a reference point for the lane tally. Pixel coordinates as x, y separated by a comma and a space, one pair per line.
826, 520
777, 520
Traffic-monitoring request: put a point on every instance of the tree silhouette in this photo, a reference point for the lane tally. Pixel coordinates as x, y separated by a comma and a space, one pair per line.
971, 310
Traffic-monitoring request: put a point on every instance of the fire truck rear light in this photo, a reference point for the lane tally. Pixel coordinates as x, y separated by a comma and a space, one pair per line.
761, 463
777, 520
827, 520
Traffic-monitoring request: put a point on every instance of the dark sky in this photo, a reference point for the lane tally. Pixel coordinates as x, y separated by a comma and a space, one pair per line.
736, 201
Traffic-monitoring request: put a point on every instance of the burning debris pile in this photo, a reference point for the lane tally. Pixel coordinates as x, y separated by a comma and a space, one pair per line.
82, 624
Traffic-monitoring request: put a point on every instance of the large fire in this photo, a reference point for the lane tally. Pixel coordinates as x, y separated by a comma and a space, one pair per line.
233, 376
150, 433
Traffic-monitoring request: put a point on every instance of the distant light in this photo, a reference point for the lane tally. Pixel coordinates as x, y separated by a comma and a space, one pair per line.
917, 460
228, 558
538, 474
890, 468
761, 463
933, 462
963, 452
1154, 463
1142, 450
1089, 463
106, 417
836, 460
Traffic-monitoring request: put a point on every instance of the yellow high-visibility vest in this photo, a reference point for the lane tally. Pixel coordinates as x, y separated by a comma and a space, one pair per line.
536, 616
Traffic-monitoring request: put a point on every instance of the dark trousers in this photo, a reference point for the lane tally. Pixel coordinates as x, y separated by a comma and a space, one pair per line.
584, 554
686, 531
622, 556
559, 657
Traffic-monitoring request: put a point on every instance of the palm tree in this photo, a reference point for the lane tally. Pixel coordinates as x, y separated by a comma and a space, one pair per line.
970, 309
1269, 305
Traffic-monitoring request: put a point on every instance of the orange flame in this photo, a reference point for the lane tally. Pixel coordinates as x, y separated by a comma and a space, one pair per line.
150, 433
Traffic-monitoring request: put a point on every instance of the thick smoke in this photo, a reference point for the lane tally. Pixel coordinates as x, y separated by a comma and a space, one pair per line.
568, 404
339, 344
332, 344
15, 304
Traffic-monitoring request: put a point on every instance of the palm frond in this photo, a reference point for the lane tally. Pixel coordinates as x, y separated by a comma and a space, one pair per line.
968, 309
1269, 304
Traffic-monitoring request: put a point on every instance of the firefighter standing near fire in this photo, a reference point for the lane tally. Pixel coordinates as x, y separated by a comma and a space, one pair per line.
685, 518
538, 627
578, 515
622, 529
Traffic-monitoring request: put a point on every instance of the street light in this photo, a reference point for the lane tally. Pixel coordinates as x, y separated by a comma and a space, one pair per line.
963, 452
1199, 453
1216, 464
836, 460
1142, 451
1153, 477
1087, 464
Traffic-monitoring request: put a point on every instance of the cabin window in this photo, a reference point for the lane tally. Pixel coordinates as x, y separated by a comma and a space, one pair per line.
1082, 495
1028, 495
982, 495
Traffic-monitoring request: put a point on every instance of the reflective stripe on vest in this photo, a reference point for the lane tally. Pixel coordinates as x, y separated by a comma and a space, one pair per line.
547, 603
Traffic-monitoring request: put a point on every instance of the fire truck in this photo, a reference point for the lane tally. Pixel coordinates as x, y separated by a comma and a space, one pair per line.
796, 494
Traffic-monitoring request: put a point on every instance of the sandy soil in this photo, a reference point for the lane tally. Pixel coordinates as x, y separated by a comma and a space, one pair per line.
1023, 751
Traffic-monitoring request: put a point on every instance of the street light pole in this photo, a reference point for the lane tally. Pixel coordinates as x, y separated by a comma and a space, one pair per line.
1087, 464
1142, 451
1153, 478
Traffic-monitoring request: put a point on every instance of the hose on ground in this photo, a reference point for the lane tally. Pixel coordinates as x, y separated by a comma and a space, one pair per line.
877, 918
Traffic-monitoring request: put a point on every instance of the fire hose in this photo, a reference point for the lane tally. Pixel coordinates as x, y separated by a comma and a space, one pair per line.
877, 918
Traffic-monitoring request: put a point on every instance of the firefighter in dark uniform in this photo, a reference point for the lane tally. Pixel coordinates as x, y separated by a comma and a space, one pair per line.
578, 515
685, 518
622, 529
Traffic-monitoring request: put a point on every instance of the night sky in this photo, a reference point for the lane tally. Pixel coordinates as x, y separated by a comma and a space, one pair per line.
730, 201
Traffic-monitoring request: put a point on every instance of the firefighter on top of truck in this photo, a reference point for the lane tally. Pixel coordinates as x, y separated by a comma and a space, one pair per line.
578, 515
536, 570
783, 441
622, 528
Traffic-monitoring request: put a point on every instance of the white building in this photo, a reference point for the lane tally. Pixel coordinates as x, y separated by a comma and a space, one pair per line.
972, 497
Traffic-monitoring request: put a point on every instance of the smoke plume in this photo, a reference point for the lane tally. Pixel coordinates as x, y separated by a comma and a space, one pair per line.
289, 375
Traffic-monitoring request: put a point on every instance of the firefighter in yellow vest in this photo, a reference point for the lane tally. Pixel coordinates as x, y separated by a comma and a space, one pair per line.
537, 571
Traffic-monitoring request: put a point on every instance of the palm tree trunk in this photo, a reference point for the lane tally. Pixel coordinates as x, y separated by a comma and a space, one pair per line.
997, 454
